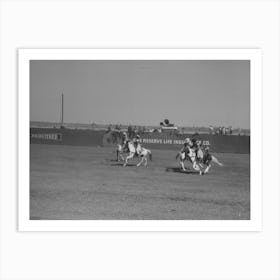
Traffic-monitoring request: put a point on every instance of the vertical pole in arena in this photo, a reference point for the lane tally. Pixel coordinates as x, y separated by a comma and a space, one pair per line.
62, 105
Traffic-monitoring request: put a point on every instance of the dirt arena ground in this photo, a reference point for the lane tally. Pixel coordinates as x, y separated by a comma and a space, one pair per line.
83, 183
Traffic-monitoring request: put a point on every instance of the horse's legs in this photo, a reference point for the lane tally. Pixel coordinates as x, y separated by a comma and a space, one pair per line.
207, 169
118, 155
125, 161
182, 165
140, 162
197, 168
146, 160
182, 157
130, 156
122, 158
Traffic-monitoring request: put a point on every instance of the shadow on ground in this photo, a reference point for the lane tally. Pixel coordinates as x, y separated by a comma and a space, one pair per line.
121, 164
179, 170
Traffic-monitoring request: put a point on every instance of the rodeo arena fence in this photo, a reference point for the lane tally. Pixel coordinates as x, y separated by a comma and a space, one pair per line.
159, 139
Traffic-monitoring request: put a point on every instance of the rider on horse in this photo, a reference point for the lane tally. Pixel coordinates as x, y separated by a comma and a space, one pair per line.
207, 157
194, 145
186, 146
124, 141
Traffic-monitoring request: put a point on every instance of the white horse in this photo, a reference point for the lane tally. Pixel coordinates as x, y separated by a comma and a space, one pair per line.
191, 156
132, 151
144, 154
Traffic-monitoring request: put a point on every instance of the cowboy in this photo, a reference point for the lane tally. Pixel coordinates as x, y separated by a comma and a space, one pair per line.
125, 141
199, 151
195, 145
207, 157
186, 146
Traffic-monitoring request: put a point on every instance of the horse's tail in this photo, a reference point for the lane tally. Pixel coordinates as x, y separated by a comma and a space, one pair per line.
150, 155
178, 154
215, 160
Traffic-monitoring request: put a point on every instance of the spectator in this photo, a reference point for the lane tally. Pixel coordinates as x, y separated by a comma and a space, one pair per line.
239, 131
129, 131
211, 129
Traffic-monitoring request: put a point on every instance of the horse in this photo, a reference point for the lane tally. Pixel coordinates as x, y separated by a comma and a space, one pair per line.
129, 149
200, 160
191, 156
144, 154
132, 151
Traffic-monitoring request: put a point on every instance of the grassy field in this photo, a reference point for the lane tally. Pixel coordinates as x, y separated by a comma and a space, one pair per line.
83, 183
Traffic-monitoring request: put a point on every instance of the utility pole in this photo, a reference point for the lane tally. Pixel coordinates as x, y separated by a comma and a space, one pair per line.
62, 107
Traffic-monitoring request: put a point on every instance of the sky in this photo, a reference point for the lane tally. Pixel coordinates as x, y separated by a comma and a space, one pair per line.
143, 92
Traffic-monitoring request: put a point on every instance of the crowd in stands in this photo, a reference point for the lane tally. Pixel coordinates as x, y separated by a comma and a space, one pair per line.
131, 130
161, 128
213, 130
222, 130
